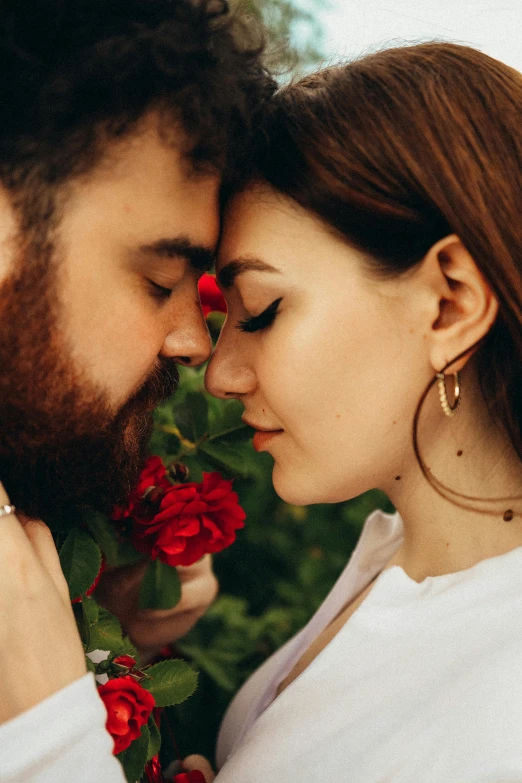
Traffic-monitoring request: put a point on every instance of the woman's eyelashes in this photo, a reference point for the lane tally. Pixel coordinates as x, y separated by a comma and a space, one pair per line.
261, 321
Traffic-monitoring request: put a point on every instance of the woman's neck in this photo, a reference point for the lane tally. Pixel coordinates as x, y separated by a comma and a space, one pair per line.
471, 455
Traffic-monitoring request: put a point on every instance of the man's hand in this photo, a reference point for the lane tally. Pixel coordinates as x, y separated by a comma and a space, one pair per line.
200, 763
152, 629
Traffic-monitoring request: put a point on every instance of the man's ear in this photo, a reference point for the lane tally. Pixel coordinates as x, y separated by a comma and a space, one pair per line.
467, 306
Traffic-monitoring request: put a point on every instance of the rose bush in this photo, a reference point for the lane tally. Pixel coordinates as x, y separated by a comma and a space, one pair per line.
153, 474
128, 708
127, 661
194, 519
301, 552
182, 521
195, 776
90, 590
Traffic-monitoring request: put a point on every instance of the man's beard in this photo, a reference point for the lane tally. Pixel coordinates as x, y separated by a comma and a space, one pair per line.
62, 449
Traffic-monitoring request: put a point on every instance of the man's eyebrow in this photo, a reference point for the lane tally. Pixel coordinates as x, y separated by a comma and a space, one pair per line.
200, 258
227, 274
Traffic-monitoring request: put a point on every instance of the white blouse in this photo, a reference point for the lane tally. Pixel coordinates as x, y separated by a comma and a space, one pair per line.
423, 684
61, 740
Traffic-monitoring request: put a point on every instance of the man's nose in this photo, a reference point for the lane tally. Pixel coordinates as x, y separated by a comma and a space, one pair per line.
189, 341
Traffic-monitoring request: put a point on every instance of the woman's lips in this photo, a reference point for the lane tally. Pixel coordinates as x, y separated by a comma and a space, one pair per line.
263, 437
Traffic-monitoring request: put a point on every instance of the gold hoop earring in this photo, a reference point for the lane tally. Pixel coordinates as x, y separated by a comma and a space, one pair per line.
449, 410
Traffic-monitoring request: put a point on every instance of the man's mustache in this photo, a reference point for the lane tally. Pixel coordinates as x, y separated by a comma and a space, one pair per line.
161, 384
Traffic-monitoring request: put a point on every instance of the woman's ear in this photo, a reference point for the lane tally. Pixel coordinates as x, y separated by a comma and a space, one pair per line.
467, 306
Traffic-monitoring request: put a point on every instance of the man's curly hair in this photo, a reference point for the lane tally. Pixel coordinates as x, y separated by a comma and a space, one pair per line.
77, 71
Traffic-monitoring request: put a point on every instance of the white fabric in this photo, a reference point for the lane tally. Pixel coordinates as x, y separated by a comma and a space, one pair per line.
61, 740
423, 684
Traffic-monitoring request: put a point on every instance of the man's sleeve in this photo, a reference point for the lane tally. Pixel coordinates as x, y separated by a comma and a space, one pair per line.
60, 740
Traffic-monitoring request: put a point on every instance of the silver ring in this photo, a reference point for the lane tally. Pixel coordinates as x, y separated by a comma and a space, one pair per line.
6, 510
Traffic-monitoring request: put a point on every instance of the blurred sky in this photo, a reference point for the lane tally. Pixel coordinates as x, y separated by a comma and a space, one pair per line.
352, 27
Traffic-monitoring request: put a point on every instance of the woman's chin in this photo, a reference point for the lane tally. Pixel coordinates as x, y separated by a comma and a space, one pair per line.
305, 490
294, 490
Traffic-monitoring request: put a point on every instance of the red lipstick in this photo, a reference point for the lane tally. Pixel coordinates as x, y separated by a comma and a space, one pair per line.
262, 438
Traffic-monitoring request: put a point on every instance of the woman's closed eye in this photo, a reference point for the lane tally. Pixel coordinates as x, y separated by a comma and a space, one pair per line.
261, 321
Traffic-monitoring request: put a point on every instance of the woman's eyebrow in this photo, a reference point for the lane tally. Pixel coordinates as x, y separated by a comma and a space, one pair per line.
227, 274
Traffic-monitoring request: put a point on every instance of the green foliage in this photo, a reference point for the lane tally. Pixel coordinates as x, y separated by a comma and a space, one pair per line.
272, 579
101, 630
160, 588
104, 534
80, 558
154, 739
133, 759
172, 682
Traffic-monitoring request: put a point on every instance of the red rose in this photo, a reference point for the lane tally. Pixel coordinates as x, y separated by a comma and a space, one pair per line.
193, 520
211, 297
125, 660
94, 585
195, 776
154, 474
153, 771
128, 709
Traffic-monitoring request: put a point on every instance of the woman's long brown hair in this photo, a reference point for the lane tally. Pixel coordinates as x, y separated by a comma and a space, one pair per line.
401, 148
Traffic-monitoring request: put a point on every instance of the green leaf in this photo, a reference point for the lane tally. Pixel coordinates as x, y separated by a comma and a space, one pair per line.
212, 667
172, 682
225, 415
106, 634
215, 321
90, 665
127, 648
192, 416
91, 611
80, 558
225, 422
227, 456
89, 618
154, 740
133, 759
160, 588
127, 555
103, 532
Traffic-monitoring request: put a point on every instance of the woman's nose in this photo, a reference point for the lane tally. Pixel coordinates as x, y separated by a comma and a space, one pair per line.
229, 373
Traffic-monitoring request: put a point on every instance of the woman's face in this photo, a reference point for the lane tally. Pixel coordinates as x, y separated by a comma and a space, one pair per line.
321, 353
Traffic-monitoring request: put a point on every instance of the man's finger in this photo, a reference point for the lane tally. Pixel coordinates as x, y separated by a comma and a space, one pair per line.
200, 763
202, 566
202, 592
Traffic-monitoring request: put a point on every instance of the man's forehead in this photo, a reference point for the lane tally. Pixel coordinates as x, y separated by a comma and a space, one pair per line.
156, 145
